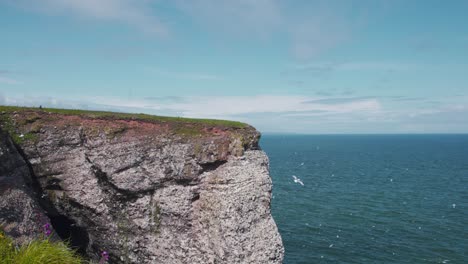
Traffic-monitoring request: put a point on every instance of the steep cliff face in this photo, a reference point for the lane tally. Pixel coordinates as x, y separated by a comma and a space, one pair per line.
151, 190
21, 216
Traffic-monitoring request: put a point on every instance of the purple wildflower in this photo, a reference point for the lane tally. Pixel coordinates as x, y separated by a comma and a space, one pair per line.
41, 218
47, 229
104, 257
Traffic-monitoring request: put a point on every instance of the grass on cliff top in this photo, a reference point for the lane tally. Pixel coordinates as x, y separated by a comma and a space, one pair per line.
125, 116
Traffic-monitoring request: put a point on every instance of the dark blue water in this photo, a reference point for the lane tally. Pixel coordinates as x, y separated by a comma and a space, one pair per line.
371, 199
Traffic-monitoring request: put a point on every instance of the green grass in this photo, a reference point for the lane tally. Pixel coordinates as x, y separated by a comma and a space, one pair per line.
115, 115
39, 251
7, 125
7, 249
45, 251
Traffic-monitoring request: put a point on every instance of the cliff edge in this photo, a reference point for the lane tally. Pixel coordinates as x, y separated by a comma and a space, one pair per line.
146, 189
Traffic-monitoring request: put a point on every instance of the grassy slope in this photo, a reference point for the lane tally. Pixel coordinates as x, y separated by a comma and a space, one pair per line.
186, 127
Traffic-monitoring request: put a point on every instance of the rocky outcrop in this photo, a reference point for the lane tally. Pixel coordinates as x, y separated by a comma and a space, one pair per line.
150, 190
21, 216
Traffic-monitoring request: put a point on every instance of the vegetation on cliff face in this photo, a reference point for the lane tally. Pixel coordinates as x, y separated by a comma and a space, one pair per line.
42, 250
7, 124
39, 251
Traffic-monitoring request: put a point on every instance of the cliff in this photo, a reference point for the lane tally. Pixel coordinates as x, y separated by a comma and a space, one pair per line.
146, 189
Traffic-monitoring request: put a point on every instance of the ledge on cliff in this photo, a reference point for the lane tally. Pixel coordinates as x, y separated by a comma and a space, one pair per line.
15, 120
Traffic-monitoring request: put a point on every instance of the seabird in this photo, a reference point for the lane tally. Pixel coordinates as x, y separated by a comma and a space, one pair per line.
297, 180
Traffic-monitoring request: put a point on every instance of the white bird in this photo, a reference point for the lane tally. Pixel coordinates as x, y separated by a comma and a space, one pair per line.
297, 180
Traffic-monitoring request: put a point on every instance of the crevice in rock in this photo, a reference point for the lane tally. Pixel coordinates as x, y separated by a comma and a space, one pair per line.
186, 181
53, 184
131, 166
67, 229
82, 135
195, 197
64, 226
211, 166
111, 188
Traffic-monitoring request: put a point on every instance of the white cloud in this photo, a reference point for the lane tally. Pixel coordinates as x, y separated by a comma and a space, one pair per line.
185, 75
310, 28
8, 80
135, 13
311, 37
297, 114
217, 106
314, 28
232, 106
354, 66
240, 16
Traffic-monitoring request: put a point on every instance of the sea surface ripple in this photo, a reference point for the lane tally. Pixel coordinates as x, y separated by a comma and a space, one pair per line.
371, 198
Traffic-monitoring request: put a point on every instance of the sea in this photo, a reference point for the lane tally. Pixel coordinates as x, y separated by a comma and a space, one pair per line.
370, 198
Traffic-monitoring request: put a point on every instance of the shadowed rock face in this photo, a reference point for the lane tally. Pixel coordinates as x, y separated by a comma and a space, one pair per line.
20, 214
147, 194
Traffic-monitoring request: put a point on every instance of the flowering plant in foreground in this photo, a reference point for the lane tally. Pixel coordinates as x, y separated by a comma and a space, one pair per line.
104, 257
47, 229
46, 226
41, 250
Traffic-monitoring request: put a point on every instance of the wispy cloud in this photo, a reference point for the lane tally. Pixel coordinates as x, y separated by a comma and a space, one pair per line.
7, 80
316, 28
310, 30
407, 99
353, 66
185, 75
241, 17
135, 13
339, 100
425, 43
312, 37
301, 114
344, 100
165, 99
314, 67
227, 107
220, 106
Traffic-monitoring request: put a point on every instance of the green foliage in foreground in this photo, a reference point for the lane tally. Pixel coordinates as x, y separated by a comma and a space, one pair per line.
114, 115
7, 125
7, 249
39, 251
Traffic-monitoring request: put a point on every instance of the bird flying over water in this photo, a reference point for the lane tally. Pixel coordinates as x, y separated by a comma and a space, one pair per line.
297, 180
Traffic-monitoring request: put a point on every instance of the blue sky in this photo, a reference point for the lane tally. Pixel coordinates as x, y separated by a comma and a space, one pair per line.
283, 66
